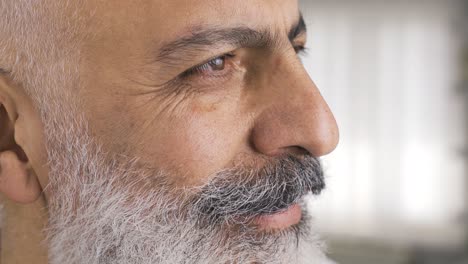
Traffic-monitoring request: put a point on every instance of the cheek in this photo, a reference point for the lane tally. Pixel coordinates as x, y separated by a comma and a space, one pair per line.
196, 146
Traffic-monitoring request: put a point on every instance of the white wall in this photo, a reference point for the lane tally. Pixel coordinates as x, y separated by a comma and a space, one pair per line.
389, 70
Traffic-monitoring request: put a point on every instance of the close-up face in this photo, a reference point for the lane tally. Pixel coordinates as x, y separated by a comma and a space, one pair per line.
211, 84
174, 132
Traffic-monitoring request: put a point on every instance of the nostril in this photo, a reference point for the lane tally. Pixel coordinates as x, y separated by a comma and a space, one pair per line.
290, 150
298, 150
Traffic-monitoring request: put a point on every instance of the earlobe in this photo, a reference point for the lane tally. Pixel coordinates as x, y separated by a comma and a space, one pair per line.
18, 181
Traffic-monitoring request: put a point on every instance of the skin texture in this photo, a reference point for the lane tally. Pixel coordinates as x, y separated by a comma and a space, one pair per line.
267, 106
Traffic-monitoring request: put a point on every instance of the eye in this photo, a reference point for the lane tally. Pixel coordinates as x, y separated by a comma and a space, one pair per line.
217, 64
212, 67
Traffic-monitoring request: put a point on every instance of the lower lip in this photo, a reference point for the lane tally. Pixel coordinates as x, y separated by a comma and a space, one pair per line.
281, 220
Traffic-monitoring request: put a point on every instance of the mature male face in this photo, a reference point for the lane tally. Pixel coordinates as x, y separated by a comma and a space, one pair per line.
185, 132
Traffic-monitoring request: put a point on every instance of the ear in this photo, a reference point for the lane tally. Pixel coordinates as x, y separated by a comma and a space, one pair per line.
18, 180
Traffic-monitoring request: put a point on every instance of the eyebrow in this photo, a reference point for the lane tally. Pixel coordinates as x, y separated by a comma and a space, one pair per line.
202, 40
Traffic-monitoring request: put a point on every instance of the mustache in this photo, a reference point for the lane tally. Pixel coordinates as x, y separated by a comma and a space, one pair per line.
243, 193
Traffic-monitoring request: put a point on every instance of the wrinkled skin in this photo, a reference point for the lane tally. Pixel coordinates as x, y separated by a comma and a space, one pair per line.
272, 108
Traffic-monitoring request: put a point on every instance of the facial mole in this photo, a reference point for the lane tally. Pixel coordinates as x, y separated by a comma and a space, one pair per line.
206, 104
204, 107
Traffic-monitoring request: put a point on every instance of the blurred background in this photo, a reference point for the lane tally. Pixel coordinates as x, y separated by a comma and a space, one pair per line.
395, 74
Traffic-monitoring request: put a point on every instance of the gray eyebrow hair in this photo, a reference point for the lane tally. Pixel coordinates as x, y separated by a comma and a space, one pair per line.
201, 40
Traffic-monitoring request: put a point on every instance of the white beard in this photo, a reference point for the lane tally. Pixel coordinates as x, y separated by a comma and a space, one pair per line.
109, 209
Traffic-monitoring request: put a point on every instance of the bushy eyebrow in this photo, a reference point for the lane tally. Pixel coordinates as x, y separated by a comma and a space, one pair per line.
206, 39
298, 29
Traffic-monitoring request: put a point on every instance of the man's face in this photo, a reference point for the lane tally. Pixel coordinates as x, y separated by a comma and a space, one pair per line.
200, 123
195, 106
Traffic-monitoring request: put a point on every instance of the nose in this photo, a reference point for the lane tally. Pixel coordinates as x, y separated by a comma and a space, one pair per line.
295, 117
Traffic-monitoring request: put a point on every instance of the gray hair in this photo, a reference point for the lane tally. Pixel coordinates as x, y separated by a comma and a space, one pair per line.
39, 44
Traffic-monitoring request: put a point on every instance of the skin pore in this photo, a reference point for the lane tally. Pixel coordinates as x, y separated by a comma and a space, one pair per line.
153, 85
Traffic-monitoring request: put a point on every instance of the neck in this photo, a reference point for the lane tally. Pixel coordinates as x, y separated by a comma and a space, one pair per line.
22, 238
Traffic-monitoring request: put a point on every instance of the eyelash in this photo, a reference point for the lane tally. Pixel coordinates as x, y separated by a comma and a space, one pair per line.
301, 50
199, 69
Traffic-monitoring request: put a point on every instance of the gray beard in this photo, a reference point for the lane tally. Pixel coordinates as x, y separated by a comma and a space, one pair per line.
110, 209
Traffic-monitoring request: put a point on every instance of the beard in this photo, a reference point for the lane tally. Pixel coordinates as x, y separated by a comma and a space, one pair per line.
109, 208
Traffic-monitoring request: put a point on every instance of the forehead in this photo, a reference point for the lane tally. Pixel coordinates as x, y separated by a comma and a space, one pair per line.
170, 18
127, 33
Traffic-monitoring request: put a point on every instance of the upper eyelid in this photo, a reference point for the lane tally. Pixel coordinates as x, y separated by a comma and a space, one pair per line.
180, 80
300, 38
293, 42
199, 66
207, 61
302, 49
302, 45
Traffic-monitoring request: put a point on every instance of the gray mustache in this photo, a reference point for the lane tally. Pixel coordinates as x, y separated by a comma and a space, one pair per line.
247, 193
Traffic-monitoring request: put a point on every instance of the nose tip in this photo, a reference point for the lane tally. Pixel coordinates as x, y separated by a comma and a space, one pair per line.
297, 129
298, 120
323, 136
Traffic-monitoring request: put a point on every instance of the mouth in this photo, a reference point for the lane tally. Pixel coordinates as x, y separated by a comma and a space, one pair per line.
280, 220
268, 199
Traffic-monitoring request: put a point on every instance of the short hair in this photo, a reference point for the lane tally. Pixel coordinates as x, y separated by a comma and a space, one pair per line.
39, 41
